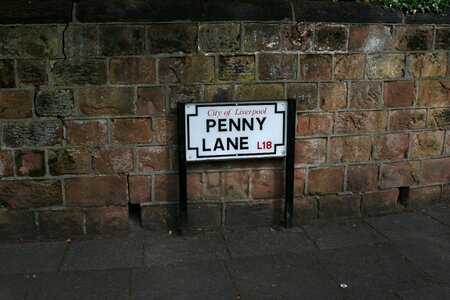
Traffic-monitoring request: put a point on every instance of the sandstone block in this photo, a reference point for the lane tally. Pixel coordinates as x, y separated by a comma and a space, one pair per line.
365, 94
277, 66
32, 72
30, 163
30, 194
106, 101
140, 189
423, 65
423, 197
370, 38
155, 158
442, 38
311, 151
90, 133
407, 119
262, 37
186, 69
55, 102
297, 37
305, 94
362, 178
150, 101
170, 38
6, 164
331, 38
349, 66
333, 96
132, 131
15, 104
399, 93
33, 133
390, 146
427, 143
434, 92
350, 149
114, 161
412, 37
80, 41
364, 121
219, 37
61, 224
315, 67
7, 77
381, 202
385, 66
79, 72
325, 180
339, 206
315, 124
121, 40
132, 70
69, 161
436, 171
236, 68
260, 91
401, 174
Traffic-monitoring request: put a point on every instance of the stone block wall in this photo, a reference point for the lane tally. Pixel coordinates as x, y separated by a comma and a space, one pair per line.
88, 101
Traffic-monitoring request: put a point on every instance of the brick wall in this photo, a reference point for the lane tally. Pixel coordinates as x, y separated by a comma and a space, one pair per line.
88, 97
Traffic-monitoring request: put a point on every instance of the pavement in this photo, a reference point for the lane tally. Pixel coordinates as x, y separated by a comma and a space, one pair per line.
404, 256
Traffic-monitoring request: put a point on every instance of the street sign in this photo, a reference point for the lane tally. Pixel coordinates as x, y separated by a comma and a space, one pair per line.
234, 130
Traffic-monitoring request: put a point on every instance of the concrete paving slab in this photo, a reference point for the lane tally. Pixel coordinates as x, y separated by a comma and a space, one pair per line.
434, 292
343, 234
31, 257
370, 269
406, 226
431, 254
291, 276
441, 214
15, 286
171, 249
206, 280
103, 254
264, 241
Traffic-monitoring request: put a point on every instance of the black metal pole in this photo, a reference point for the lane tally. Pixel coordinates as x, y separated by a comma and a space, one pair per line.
182, 164
290, 161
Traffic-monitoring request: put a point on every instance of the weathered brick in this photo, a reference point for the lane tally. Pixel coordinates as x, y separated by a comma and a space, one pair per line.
229, 185
305, 210
150, 101
6, 164
400, 174
165, 130
399, 93
15, 104
219, 37
364, 121
105, 101
17, 225
159, 217
390, 146
61, 224
333, 95
195, 187
325, 180
370, 38
183, 94
362, 178
30, 163
350, 149
315, 67
439, 118
236, 68
446, 193
312, 151
140, 189
69, 161
90, 133
423, 197
96, 191
385, 66
330, 38
427, 143
79, 72
260, 91
153, 158
305, 94
170, 38
121, 40
314, 124
442, 38
380, 202
30, 194
267, 184
33, 72
114, 161
132, 131
33, 133
261, 37
29, 41
434, 92
80, 41
7, 77
277, 66
250, 214
131, 70
186, 69
339, 206
407, 119
299, 182
55, 102
297, 37
166, 188
412, 37
218, 93
423, 65
436, 171
111, 221
204, 216
365, 94
349, 66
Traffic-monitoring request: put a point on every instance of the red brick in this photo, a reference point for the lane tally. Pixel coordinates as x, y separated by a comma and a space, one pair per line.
313, 151
30, 194
106, 101
112, 221
362, 178
339, 206
315, 67
401, 174
427, 143
355, 122
299, 181
131, 70
304, 93
436, 171
17, 225
195, 187
6, 164
150, 101
314, 124
229, 185
165, 130
204, 216
186, 69
30, 163
166, 188
277, 66
90, 133
370, 38
390, 146
350, 149
140, 189
349, 66
434, 92
399, 93
407, 119
365, 94
423, 65
413, 37
267, 184
333, 95
15, 104
155, 158
159, 217
32, 72
96, 191
113, 160
439, 118
61, 224
261, 37
325, 180
423, 197
297, 37
260, 91
132, 131
69, 161
380, 202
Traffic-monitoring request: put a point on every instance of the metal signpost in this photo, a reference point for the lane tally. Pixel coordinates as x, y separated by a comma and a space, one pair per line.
236, 130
